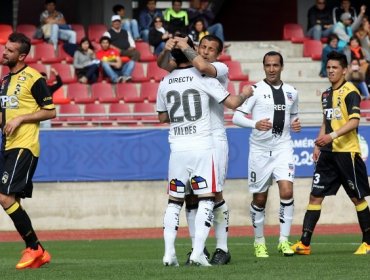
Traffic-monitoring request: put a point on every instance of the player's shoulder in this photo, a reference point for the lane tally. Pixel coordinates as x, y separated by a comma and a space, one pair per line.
290, 88
260, 87
29, 73
348, 87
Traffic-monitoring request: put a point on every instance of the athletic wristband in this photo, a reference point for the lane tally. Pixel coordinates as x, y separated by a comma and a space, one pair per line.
333, 135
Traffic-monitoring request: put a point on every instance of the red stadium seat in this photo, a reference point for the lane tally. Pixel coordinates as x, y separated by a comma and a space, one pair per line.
65, 72
235, 71
154, 72
103, 92
70, 113
365, 108
96, 31
79, 93
64, 56
5, 31
145, 112
121, 108
59, 97
29, 30
146, 54
96, 113
243, 83
149, 91
4, 70
45, 53
80, 31
231, 88
224, 56
138, 75
128, 92
313, 49
39, 67
293, 32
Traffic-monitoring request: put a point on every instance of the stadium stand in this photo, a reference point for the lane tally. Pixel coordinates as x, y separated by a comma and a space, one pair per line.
293, 32
5, 31
154, 72
95, 31
129, 93
146, 55
313, 49
121, 113
149, 91
29, 30
65, 72
79, 93
138, 74
103, 93
45, 53
80, 31
235, 71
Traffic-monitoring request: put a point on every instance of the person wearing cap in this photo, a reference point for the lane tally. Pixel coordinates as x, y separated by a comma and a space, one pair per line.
346, 27
121, 39
319, 21
345, 7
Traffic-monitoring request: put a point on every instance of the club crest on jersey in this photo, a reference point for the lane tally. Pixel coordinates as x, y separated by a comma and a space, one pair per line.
289, 95
177, 186
291, 166
198, 183
5, 178
22, 78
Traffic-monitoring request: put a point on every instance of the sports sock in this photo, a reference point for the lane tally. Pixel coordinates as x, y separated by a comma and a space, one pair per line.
309, 222
286, 218
221, 224
203, 223
190, 213
23, 225
258, 220
170, 226
363, 215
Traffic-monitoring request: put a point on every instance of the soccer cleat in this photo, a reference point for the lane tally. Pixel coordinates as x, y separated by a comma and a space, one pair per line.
364, 249
260, 250
205, 251
284, 248
28, 257
201, 260
220, 257
40, 261
300, 249
170, 261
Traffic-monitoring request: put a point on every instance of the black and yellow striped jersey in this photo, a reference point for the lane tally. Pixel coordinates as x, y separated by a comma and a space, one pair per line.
21, 93
339, 106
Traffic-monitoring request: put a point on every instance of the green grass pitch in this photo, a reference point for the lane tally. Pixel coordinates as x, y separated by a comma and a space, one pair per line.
332, 258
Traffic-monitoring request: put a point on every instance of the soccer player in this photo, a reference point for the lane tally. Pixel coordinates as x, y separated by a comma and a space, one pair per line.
337, 155
274, 111
210, 48
183, 100
25, 101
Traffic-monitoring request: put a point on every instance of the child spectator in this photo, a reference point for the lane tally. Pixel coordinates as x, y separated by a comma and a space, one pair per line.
84, 62
158, 35
332, 45
129, 24
112, 64
354, 51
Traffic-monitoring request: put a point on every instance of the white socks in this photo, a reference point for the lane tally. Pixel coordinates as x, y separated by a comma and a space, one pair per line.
190, 218
170, 226
286, 218
221, 224
258, 220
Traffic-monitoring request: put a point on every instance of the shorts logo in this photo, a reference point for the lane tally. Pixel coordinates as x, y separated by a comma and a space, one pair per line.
177, 186
5, 178
198, 183
351, 185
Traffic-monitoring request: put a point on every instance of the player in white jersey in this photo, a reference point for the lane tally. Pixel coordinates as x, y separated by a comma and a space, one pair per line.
209, 49
183, 100
274, 111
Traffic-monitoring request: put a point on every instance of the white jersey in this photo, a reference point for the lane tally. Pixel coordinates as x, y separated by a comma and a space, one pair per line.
217, 109
185, 95
280, 105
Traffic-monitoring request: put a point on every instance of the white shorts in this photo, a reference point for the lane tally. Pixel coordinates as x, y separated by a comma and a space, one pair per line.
263, 166
192, 169
222, 158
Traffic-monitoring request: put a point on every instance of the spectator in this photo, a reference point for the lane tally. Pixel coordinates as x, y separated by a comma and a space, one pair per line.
345, 28
345, 7
121, 39
355, 51
332, 45
200, 9
112, 63
158, 35
357, 77
198, 31
320, 21
176, 19
363, 33
146, 18
84, 62
129, 24
54, 25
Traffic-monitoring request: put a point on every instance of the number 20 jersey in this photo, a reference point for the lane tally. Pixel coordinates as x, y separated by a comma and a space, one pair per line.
185, 95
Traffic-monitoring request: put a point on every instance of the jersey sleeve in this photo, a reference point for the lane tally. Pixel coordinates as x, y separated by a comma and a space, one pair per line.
161, 104
248, 105
42, 94
294, 109
353, 100
215, 90
221, 68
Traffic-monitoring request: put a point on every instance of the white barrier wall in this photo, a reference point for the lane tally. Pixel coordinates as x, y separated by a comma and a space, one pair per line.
101, 205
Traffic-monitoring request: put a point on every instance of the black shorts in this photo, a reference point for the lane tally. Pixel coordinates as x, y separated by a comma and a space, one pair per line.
334, 169
18, 167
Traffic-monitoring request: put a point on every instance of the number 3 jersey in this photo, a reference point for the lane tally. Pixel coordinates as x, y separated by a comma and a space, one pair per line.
185, 95
280, 105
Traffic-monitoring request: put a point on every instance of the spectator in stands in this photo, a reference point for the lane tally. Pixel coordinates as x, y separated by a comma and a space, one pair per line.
363, 33
357, 77
200, 9
121, 39
198, 31
345, 7
158, 35
176, 18
146, 18
54, 25
345, 28
84, 62
129, 24
354, 51
332, 45
320, 21
112, 63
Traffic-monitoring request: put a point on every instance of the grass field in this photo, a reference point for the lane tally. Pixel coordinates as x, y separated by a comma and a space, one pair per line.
332, 258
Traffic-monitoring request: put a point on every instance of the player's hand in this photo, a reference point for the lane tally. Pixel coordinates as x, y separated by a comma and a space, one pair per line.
264, 124
323, 140
316, 153
247, 91
12, 125
296, 125
170, 44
